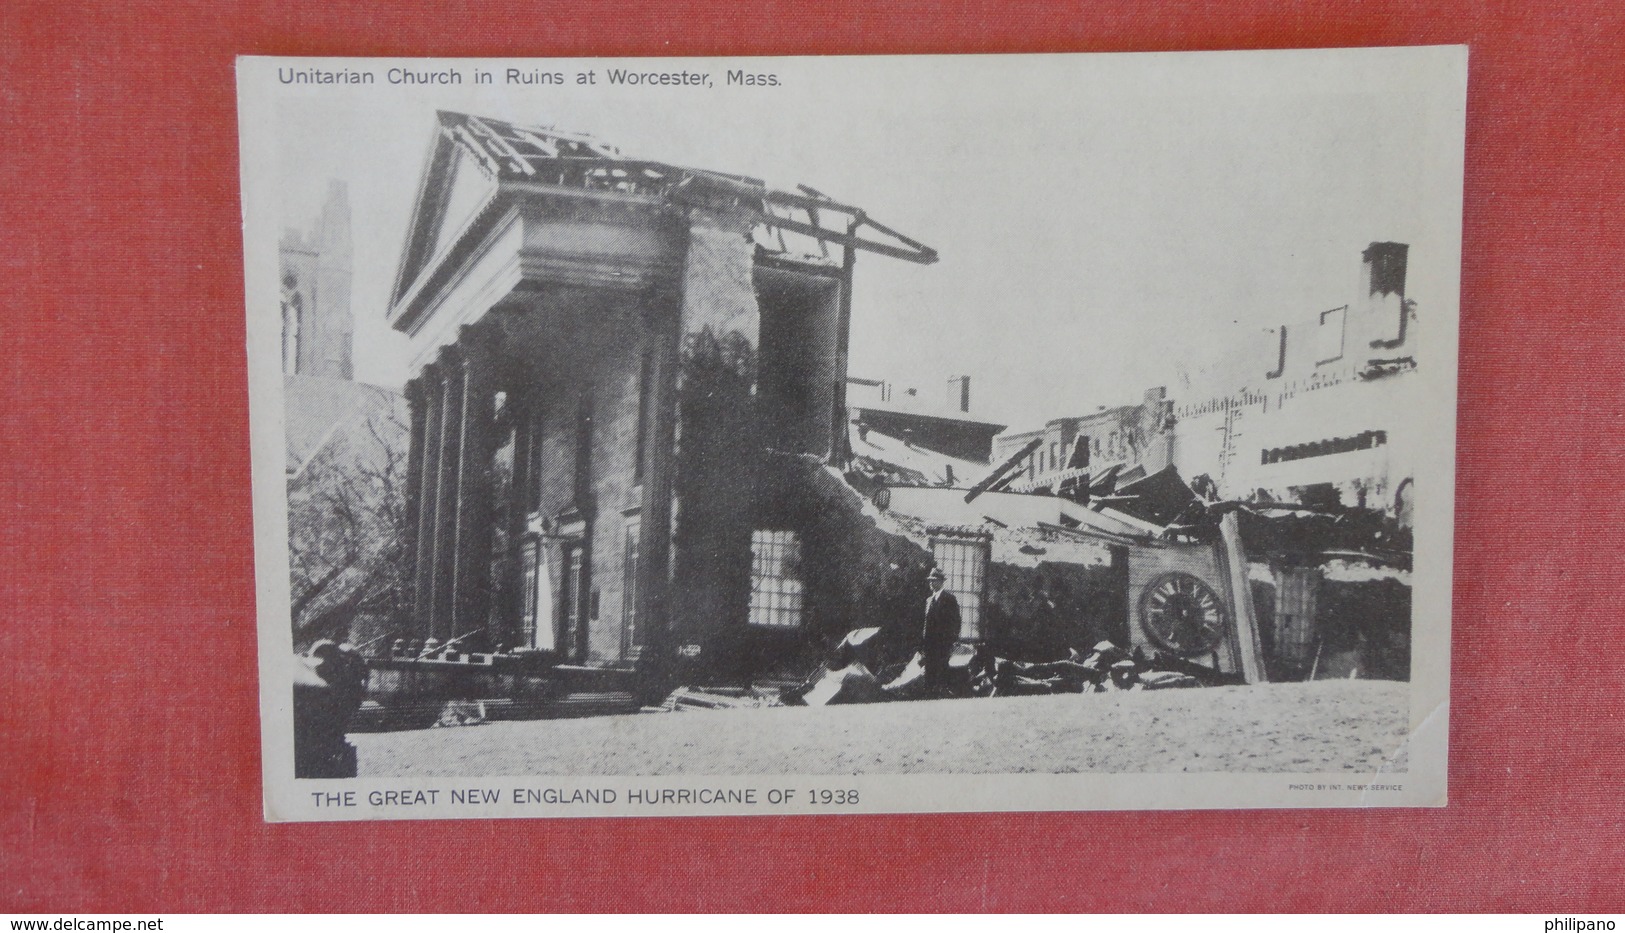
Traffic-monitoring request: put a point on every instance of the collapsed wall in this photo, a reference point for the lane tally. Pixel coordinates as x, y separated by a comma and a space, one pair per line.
865, 567
1047, 593
1334, 621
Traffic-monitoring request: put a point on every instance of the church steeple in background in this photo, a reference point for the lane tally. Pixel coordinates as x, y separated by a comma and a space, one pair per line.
315, 284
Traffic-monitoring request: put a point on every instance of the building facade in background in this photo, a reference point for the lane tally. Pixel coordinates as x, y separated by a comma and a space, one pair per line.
1321, 410
947, 428
345, 454
1318, 411
1132, 438
904, 439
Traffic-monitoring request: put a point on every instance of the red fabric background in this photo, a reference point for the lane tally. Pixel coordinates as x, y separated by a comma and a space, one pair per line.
130, 774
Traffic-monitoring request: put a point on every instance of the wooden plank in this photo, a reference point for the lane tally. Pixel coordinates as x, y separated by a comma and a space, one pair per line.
506, 147
1249, 644
478, 150
1089, 534
923, 256
1003, 468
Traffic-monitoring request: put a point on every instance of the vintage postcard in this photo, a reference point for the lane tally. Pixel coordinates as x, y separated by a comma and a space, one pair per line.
853, 435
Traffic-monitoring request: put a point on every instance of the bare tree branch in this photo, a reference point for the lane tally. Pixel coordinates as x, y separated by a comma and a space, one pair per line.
346, 524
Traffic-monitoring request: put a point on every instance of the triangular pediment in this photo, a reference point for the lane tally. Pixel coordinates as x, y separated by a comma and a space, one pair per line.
471, 159
469, 187
454, 186
467, 161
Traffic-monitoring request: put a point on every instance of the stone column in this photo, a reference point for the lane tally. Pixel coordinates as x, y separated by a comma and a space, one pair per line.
444, 543
417, 404
428, 498
654, 557
470, 601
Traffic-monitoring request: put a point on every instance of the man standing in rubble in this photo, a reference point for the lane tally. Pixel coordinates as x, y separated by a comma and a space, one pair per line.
940, 632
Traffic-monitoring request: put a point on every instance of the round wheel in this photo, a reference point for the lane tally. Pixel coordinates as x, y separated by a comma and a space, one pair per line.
1181, 613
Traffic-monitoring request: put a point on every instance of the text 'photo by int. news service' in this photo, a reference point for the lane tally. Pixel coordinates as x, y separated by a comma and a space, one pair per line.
853, 435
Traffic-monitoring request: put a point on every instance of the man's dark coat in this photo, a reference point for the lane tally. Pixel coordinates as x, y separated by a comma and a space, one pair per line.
941, 631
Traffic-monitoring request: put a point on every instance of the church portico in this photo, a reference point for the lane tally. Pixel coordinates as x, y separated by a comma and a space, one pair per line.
532, 452
532, 333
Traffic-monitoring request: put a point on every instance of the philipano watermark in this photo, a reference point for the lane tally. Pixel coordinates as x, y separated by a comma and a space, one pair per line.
1566, 924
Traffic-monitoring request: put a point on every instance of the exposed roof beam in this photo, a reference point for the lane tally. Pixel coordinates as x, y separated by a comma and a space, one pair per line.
923, 255
1002, 469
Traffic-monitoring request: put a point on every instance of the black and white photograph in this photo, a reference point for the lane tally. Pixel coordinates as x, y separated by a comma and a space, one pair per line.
853, 435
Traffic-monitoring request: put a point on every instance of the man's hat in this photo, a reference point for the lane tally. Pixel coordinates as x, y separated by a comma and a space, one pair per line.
936, 574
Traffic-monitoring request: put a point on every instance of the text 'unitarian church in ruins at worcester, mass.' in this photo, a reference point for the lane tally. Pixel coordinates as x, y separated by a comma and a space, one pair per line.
623, 377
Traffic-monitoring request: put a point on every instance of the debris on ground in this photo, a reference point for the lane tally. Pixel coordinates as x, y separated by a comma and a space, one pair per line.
461, 713
836, 686
851, 684
1356, 727
693, 698
853, 674
1105, 669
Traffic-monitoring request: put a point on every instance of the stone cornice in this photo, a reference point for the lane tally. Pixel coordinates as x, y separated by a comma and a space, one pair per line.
556, 259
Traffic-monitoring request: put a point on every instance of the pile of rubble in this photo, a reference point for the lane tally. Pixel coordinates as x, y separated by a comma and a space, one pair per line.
702, 698
854, 674
1106, 669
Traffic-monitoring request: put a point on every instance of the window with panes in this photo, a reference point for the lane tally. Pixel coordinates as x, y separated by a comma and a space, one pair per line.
964, 563
776, 592
572, 592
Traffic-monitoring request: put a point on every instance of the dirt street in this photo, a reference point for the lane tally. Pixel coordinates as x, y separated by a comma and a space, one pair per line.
1356, 726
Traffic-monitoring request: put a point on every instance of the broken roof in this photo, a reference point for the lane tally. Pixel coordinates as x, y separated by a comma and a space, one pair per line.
912, 464
947, 508
519, 156
895, 407
1101, 477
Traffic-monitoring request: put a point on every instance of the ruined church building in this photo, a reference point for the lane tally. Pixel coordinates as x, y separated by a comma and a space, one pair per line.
617, 370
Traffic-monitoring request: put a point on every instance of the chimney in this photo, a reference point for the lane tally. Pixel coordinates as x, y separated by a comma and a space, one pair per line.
1383, 290
1384, 271
959, 393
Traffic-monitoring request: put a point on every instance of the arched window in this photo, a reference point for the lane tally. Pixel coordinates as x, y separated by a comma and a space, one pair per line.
1405, 503
292, 306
